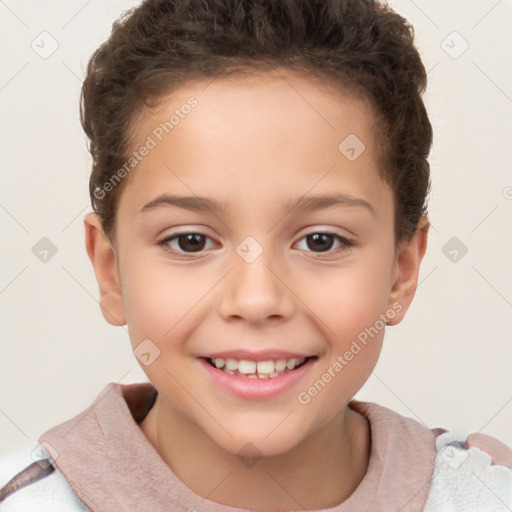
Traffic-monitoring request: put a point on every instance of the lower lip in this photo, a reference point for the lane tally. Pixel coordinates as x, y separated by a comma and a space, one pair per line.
256, 389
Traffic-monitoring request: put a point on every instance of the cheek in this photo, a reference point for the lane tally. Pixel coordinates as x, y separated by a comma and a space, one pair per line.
354, 332
156, 301
348, 304
347, 300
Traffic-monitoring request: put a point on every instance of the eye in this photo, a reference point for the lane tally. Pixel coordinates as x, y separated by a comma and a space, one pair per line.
186, 243
322, 242
195, 242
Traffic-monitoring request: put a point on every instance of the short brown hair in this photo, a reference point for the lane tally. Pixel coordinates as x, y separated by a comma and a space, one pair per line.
357, 45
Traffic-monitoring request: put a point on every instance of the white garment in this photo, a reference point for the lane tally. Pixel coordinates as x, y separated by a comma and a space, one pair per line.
465, 481
50, 494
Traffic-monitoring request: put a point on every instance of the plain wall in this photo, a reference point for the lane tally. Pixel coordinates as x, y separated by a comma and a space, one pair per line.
448, 364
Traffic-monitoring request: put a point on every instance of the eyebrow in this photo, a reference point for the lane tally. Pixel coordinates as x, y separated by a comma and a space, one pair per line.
305, 203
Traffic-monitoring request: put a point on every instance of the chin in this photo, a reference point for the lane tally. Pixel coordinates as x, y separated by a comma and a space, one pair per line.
253, 446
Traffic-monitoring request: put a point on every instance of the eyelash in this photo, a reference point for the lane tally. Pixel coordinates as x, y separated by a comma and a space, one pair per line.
346, 243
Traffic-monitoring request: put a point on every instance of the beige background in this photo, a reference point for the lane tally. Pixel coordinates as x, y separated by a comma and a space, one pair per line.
448, 365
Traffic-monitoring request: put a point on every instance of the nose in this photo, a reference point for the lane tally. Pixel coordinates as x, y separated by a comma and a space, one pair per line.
258, 290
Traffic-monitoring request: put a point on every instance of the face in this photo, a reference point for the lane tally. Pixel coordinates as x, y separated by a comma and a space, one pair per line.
256, 265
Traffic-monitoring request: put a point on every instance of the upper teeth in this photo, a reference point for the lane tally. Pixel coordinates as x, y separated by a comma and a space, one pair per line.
261, 367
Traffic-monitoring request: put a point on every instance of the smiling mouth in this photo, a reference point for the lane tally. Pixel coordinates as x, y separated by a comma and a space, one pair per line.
258, 370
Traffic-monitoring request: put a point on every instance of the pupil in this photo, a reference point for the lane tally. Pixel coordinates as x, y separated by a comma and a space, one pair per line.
191, 242
320, 241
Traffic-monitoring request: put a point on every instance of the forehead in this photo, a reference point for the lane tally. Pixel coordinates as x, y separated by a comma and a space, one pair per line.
255, 100
254, 136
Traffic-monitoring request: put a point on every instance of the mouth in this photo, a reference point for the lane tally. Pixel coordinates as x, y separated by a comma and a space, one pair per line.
265, 379
269, 369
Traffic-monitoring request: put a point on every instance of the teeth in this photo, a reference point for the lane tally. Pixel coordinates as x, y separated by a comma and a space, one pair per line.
265, 366
261, 369
219, 362
291, 364
246, 366
280, 365
231, 364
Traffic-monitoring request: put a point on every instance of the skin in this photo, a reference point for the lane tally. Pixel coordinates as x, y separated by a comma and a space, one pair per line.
256, 143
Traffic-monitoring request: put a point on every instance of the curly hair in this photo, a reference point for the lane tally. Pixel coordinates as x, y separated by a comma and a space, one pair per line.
361, 46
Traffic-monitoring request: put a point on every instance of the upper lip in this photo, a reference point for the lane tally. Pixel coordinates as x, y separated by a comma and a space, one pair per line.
264, 355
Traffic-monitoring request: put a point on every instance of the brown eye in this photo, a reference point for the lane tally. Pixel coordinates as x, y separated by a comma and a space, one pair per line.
192, 242
320, 241
325, 243
184, 243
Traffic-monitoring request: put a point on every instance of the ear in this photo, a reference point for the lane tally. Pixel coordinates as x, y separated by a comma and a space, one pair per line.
103, 259
406, 268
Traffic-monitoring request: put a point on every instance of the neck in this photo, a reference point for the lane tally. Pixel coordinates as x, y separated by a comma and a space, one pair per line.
321, 472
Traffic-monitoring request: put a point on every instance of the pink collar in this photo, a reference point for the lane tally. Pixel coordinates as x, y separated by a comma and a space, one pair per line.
111, 465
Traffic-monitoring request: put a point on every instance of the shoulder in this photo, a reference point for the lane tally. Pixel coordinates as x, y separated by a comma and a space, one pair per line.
29, 481
471, 472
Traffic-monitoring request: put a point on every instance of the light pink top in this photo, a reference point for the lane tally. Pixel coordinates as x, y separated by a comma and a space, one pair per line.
111, 465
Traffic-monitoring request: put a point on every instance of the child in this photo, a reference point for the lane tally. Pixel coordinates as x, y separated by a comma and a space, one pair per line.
231, 141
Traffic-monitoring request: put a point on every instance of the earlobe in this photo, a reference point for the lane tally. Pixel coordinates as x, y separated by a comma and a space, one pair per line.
406, 268
103, 260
